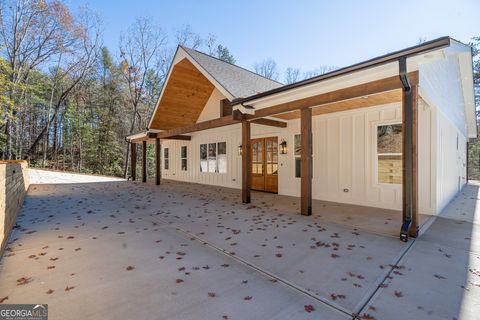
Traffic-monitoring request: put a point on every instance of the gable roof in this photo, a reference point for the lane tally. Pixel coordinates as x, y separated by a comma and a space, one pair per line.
239, 82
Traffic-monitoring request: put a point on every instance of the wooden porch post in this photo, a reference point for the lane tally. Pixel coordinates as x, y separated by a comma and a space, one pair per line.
157, 161
133, 161
306, 161
410, 158
246, 162
144, 161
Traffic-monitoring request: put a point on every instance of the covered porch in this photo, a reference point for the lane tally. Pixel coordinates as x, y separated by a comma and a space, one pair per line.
381, 81
379, 92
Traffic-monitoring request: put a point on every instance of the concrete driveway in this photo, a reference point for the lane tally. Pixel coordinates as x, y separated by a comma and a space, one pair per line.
94, 247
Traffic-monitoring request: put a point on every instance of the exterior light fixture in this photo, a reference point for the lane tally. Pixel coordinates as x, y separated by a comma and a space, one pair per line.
283, 147
240, 150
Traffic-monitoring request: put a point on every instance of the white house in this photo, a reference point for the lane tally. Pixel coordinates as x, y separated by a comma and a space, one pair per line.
390, 132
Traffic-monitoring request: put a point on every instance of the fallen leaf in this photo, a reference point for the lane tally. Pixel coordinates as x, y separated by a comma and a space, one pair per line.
179, 281
3, 299
130, 268
309, 308
50, 291
23, 281
247, 298
69, 288
211, 294
398, 294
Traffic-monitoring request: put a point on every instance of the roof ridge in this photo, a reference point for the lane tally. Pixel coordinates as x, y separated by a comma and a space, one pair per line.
232, 64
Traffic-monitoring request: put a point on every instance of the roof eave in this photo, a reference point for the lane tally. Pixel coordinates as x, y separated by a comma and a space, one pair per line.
384, 59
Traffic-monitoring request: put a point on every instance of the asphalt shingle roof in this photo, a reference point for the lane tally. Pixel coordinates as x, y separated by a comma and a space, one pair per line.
238, 81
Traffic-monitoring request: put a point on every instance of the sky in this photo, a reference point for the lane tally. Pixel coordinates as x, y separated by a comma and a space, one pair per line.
303, 34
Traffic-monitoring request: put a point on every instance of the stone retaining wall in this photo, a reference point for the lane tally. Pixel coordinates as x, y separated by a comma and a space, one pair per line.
14, 182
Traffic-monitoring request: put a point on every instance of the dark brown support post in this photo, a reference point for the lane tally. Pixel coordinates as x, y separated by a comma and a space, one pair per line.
246, 162
133, 161
157, 161
306, 161
410, 155
414, 227
144, 161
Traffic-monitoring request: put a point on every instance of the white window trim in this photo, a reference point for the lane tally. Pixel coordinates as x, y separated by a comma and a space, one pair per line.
296, 156
186, 158
216, 158
165, 158
376, 154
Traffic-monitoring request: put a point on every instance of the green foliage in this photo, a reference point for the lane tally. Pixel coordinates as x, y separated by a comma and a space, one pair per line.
224, 54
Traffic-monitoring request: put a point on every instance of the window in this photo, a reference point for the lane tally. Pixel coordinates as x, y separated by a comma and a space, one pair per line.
297, 147
203, 158
213, 157
165, 158
225, 108
222, 157
183, 157
389, 153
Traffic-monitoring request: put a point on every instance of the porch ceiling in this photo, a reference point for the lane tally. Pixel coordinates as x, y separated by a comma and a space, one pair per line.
355, 103
186, 93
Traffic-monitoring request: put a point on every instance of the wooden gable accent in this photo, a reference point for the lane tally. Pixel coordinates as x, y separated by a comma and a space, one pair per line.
186, 93
361, 102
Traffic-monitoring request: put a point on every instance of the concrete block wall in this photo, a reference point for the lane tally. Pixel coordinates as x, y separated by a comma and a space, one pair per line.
14, 182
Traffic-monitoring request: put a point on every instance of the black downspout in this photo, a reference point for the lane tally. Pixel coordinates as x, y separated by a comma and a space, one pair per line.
407, 148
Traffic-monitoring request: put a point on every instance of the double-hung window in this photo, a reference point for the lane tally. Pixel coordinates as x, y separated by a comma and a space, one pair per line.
213, 157
297, 152
389, 153
165, 158
183, 158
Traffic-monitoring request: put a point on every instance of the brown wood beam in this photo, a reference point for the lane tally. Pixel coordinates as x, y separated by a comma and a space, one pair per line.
239, 116
364, 89
158, 149
306, 161
270, 122
246, 162
179, 137
144, 161
133, 161
210, 124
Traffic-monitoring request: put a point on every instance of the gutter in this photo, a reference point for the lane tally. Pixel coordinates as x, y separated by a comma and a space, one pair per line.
428, 46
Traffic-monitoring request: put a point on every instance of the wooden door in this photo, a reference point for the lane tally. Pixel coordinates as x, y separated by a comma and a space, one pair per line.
265, 164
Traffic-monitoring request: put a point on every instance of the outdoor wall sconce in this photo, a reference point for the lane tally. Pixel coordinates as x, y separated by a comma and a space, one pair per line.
240, 150
283, 147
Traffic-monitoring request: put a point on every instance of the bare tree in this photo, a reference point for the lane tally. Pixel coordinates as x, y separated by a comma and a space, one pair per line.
318, 71
267, 68
141, 50
185, 36
73, 64
292, 75
31, 32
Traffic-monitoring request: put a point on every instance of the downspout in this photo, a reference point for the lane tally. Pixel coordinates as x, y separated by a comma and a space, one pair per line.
407, 152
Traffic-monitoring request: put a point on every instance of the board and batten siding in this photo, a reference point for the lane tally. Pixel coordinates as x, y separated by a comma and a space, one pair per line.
451, 160
344, 146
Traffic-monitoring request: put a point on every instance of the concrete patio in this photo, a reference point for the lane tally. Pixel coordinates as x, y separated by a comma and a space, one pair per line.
96, 247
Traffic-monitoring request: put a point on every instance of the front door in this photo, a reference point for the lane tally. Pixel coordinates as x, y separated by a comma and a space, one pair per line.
265, 164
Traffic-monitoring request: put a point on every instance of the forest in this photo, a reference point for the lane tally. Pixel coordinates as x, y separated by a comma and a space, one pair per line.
68, 101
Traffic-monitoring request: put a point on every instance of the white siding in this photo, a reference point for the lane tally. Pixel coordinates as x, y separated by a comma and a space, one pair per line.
212, 107
451, 161
440, 81
343, 151
231, 135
